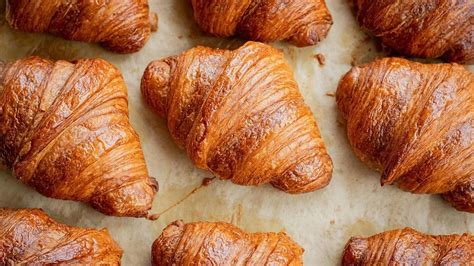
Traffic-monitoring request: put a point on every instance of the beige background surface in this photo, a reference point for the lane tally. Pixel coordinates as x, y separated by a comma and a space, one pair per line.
322, 222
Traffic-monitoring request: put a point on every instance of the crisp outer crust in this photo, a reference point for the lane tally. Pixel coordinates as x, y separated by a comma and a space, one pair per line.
240, 115
64, 130
206, 243
122, 26
415, 123
422, 28
409, 247
30, 237
301, 22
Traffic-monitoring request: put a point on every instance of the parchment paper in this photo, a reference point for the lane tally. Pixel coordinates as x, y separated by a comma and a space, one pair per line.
322, 222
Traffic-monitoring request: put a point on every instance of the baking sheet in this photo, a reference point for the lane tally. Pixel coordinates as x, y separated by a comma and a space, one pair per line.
322, 221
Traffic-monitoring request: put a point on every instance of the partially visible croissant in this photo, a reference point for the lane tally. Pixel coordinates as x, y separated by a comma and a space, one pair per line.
240, 115
64, 130
301, 22
30, 237
122, 26
409, 247
422, 28
205, 243
415, 123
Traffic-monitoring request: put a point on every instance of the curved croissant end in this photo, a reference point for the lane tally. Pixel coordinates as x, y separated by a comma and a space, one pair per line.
30, 237
409, 247
195, 244
240, 115
428, 29
301, 22
64, 130
414, 122
121, 26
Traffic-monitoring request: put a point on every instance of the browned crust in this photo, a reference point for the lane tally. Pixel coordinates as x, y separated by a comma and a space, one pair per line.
64, 130
413, 122
301, 22
206, 243
409, 247
121, 26
429, 28
30, 237
240, 115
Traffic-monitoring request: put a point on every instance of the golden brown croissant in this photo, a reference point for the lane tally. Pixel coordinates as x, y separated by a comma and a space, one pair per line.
415, 123
301, 22
64, 130
122, 26
409, 247
30, 237
205, 243
240, 115
422, 28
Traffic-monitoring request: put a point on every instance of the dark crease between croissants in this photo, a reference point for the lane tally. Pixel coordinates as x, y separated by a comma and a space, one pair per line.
30, 237
409, 247
301, 22
64, 130
415, 123
240, 115
122, 26
206, 243
428, 28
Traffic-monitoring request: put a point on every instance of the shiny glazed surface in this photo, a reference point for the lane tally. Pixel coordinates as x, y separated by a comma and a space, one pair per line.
30, 237
205, 243
409, 247
240, 115
64, 130
422, 28
415, 123
301, 22
122, 26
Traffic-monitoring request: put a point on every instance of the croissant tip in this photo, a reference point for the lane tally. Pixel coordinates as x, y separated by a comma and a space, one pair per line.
355, 251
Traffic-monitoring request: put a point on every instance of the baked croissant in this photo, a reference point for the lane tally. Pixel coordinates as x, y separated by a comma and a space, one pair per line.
64, 130
121, 26
240, 115
30, 237
409, 247
301, 22
415, 123
205, 243
422, 28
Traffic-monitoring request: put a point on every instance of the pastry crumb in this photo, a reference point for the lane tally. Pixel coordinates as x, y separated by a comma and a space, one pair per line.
330, 94
321, 59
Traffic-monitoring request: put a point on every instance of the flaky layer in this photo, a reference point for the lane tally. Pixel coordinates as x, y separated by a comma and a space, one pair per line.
414, 122
428, 28
205, 243
30, 237
122, 26
301, 22
409, 247
240, 115
64, 130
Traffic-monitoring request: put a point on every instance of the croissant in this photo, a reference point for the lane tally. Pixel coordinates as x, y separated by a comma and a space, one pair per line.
422, 28
205, 243
121, 26
240, 115
301, 22
409, 247
30, 237
414, 123
64, 130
